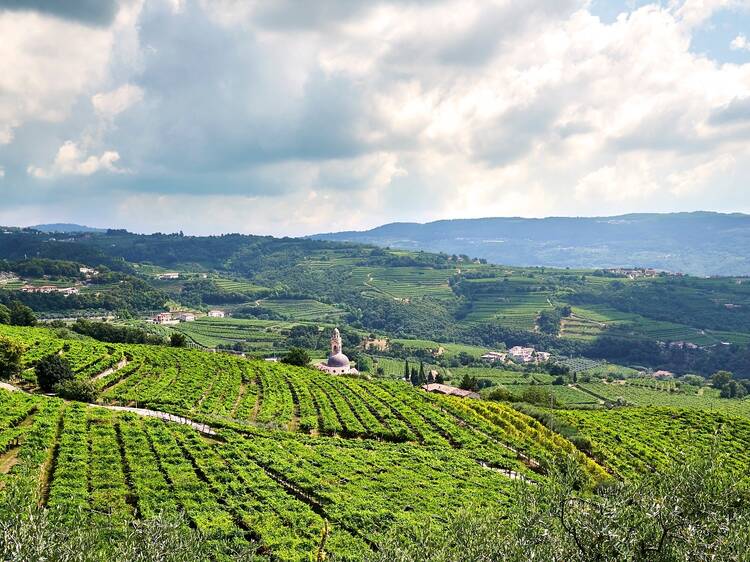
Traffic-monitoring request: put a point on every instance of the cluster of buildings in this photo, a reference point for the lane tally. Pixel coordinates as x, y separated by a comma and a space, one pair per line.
634, 273
518, 354
47, 289
170, 275
167, 318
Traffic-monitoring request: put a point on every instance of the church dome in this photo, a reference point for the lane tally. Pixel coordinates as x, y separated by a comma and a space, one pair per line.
338, 360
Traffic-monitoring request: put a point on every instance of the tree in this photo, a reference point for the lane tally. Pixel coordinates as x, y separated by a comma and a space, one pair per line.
21, 315
4, 314
296, 356
559, 381
439, 378
11, 352
51, 370
178, 339
468, 382
407, 372
720, 378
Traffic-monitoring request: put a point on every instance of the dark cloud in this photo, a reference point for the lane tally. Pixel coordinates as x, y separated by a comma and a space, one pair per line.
318, 15
90, 12
511, 136
496, 25
736, 111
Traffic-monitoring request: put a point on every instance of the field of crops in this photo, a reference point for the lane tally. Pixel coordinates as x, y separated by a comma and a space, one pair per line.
301, 459
261, 335
640, 440
283, 469
302, 309
640, 396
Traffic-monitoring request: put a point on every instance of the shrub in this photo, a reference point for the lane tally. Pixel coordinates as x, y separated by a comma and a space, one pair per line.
51, 370
72, 389
178, 340
11, 352
296, 356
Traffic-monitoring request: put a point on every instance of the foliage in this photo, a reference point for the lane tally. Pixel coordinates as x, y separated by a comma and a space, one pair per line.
4, 314
297, 356
52, 370
694, 511
11, 351
21, 315
177, 339
73, 389
107, 332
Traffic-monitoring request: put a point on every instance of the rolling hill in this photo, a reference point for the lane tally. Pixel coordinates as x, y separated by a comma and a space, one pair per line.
700, 243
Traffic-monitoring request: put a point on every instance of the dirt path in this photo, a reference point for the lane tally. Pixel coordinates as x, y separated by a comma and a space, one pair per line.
9, 459
122, 363
9, 387
201, 427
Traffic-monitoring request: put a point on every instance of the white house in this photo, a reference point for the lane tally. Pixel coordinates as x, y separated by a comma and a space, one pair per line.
495, 356
186, 317
164, 318
527, 355
216, 314
168, 275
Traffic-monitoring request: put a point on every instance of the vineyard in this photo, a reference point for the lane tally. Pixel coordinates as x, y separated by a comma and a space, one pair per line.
641, 440
299, 462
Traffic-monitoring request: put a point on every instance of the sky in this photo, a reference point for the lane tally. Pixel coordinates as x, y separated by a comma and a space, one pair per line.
294, 117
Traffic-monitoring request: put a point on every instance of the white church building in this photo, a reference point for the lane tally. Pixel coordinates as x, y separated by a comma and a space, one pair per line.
337, 363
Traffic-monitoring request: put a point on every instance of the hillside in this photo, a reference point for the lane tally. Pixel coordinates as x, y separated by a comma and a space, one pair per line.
699, 243
275, 457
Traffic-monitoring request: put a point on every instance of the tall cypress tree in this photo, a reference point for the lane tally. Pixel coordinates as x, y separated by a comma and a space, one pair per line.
407, 372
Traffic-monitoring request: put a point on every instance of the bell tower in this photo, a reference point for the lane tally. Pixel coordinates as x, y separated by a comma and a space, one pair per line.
335, 342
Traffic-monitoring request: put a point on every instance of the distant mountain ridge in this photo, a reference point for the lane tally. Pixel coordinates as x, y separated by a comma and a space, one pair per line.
67, 228
699, 243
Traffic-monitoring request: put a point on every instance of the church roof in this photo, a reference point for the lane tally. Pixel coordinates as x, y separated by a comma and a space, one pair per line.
338, 360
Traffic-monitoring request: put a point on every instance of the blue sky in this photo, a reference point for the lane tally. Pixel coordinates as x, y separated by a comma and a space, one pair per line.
294, 117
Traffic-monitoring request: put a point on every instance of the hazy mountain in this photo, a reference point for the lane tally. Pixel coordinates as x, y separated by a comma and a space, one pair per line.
700, 243
65, 227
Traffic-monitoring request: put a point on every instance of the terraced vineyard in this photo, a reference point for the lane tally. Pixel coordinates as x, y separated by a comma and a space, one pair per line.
296, 454
209, 332
641, 440
303, 464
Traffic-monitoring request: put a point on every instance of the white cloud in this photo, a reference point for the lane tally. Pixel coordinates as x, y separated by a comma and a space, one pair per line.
71, 160
740, 43
391, 110
2, 172
45, 64
110, 104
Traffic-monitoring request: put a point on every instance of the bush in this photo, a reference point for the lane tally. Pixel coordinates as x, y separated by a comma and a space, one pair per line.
52, 370
4, 314
72, 389
11, 352
296, 356
694, 511
178, 340
21, 315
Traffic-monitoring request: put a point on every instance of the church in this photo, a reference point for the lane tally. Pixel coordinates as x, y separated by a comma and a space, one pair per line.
337, 363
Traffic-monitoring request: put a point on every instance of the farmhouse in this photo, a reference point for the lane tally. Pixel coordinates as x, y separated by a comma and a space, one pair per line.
495, 356
168, 275
449, 390
337, 363
216, 314
47, 289
164, 318
186, 317
527, 355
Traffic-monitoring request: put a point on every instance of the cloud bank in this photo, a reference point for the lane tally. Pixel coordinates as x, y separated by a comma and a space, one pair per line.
297, 117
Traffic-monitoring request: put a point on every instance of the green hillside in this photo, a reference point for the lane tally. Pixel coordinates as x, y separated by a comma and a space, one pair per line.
279, 456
